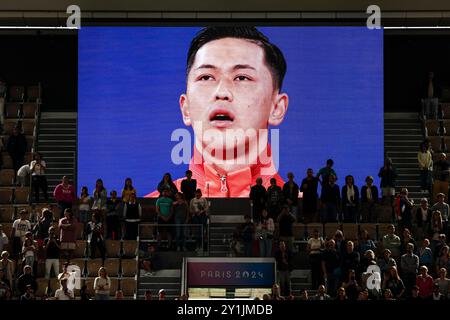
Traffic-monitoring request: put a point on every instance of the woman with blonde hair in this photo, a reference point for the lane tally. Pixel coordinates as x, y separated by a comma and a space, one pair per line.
102, 285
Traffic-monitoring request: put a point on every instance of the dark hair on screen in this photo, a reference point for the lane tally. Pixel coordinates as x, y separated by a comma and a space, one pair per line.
273, 56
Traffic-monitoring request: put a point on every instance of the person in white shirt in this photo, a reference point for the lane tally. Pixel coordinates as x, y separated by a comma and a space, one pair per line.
22, 174
64, 293
19, 229
38, 179
3, 239
102, 285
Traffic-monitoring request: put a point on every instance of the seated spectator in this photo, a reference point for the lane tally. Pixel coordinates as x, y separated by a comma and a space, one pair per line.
3, 239
29, 294
132, 213
127, 190
64, 195
369, 199
310, 196
102, 285
64, 293
25, 279
321, 294
392, 242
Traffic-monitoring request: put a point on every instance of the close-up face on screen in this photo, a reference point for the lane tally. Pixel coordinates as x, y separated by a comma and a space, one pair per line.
240, 106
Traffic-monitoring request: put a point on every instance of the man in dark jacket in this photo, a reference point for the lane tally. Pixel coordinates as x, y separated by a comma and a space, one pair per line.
284, 265
258, 199
330, 200
290, 194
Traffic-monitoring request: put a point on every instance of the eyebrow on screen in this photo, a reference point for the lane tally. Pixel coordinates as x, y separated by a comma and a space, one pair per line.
235, 67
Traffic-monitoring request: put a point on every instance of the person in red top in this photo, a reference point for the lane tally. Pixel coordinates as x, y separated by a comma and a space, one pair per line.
67, 233
234, 78
425, 283
64, 194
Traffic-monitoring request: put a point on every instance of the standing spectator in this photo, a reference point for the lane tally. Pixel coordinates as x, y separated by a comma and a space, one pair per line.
264, 230
350, 284
350, 200
290, 194
95, 234
132, 213
388, 175
181, 217
167, 184
102, 285
350, 260
38, 179
100, 196
369, 199
26, 279
310, 196
127, 190
409, 265
274, 199
248, 235
441, 175
188, 186
444, 209
64, 293
258, 199
67, 233
19, 229
283, 258
406, 239
315, 246
393, 282
331, 266
52, 247
84, 205
392, 242
425, 254
423, 217
8, 269
425, 160
17, 147
330, 200
164, 209
40, 229
113, 216
28, 252
199, 209
64, 194
425, 283
436, 227
285, 226
403, 210
443, 282
326, 172
3, 239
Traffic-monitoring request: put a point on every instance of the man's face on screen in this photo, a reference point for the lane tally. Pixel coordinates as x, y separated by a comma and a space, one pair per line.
230, 87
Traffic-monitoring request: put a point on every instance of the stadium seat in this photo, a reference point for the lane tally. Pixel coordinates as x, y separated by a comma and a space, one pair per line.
112, 266
16, 93
350, 231
130, 247
311, 226
299, 231
128, 286
21, 195
29, 110
93, 266
7, 227
112, 248
8, 126
446, 110
6, 214
432, 128
330, 229
7, 161
436, 143
28, 127
12, 110
33, 93
6, 196
128, 267
80, 249
146, 232
6, 177
371, 229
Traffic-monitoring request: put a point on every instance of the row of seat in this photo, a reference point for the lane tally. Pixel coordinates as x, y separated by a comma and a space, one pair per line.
7, 162
28, 127
26, 110
12, 195
127, 285
30, 142
22, 93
